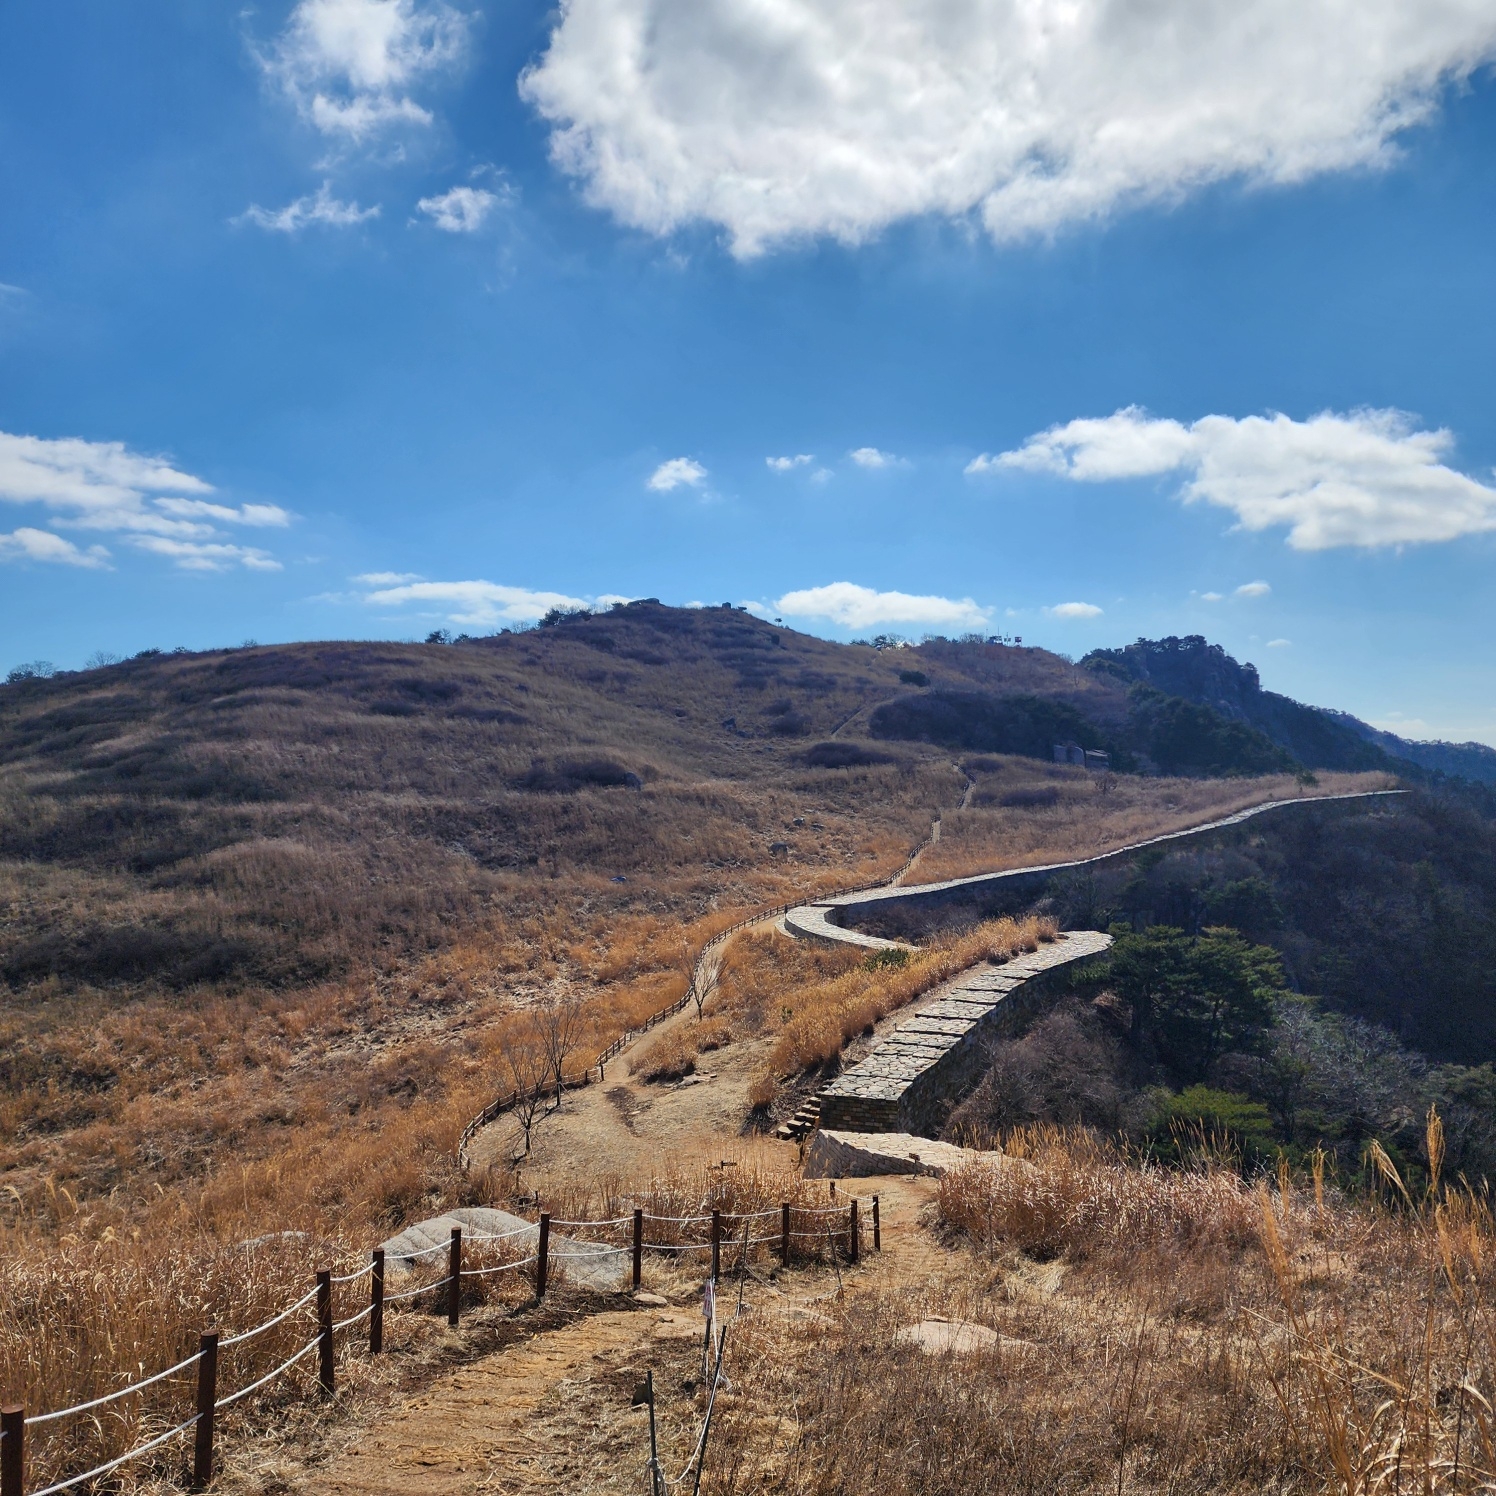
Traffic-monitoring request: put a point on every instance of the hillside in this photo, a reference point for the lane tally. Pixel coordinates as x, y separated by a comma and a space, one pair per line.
1194, 670
254, 898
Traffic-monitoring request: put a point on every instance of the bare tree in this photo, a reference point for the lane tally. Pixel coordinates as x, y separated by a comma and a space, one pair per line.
561, 1023
525, 1056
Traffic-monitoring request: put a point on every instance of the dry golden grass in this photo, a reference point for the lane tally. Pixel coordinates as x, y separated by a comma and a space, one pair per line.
1192, 1335
817, 1000
1090, 814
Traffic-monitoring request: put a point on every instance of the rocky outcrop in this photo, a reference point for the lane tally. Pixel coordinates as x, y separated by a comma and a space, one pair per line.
865, 1155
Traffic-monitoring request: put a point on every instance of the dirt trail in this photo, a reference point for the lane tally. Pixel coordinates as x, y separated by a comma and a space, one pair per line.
628, 1128
553, 1411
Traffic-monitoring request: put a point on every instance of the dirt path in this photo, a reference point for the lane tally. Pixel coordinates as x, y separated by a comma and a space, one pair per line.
628, 1128
552, 1412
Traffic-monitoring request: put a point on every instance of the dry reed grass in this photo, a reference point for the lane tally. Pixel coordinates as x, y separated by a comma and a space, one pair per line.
816, 1021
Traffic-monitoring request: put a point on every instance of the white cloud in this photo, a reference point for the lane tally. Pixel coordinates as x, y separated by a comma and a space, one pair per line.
871, 457
1369, 478
789, 464
460, 210
1253, 589
320, 207
678, 472
857, 607
348, 64
1074, 610
387, 578
838, 117
105, 486
1210, 597
1279, 643
26, 544
204, 555
481, 604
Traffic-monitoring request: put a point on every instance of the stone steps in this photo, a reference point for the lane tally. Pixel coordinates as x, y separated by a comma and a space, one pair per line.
804, 1122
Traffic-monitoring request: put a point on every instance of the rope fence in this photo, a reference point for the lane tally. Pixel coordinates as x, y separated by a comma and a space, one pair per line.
841, 1236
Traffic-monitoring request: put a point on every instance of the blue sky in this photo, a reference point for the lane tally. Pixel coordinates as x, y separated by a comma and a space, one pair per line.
356, 318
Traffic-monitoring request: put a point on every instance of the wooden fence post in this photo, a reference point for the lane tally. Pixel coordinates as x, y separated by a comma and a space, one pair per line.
716, 1244
784, 1234
376, 1304
12, 1451
454, 1276
877, 1228
638, 1247
852, 1242
542, 1257
324, 1331
207, 1395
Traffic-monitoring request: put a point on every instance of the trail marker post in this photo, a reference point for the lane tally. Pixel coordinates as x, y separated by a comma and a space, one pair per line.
376, 1304
877, 1228
542, 1255
454, 1277
207, 1395
784, 1234
638, 1248
324, 1331
12, 1451
716, 1244
852, 1234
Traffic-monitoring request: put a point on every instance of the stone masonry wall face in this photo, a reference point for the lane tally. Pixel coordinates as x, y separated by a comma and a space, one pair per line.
905, 1083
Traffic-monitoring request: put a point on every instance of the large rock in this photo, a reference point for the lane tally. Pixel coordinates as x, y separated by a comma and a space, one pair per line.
860, 1155
582, 1263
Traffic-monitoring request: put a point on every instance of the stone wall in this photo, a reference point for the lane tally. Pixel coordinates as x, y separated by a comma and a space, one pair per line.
910, 1079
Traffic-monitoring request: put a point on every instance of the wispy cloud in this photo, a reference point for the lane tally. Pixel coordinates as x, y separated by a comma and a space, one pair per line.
789, 464
350, 66
1074, 610
678, 472
476, 604
104, 486
461, 210
387, 578
1279, 643
319, 208
26, 544
1253, 589
856, 607
1369, 478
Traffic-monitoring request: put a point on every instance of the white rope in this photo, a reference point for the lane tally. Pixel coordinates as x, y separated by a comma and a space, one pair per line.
677, 1220
354, 1277
300, 1303
441, 1246
109, 1397
503, 1267
595, 1252
410, 1293
270, 1376
77, 1480
620, 1221
353, 1319
497, 1235
684, 1246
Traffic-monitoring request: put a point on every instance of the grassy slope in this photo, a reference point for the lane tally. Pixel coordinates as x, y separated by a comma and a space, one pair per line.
269, 900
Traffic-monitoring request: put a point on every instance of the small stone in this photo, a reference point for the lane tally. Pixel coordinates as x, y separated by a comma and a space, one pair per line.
652, 1300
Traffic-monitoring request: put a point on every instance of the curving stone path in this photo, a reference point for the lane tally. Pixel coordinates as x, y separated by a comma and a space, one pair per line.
824, 920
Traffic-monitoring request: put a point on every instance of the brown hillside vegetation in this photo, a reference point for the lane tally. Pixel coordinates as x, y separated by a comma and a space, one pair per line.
259, 896
267, 916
